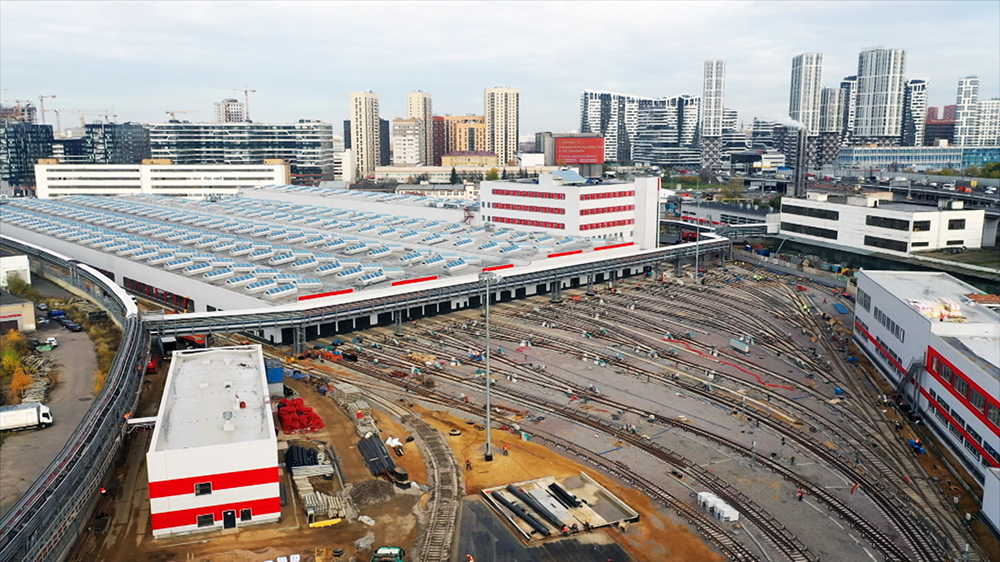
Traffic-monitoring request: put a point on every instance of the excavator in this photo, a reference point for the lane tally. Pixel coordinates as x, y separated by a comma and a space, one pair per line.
388, 554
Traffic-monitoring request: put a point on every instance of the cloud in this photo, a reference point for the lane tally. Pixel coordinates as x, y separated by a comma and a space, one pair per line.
304, 58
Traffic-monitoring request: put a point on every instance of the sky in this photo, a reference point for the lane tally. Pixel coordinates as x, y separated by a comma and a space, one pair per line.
140, 59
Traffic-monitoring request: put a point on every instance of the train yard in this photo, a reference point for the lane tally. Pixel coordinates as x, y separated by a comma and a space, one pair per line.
642, 382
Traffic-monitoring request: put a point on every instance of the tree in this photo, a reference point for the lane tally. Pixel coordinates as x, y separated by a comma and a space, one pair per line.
705, 176
503, 175
776, 203
454, 176
733, 189
493, 175
19, 382
947, 172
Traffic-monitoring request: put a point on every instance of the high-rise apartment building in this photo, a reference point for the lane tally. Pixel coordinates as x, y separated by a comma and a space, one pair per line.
710, 125
881, 89
347, 134
457, 142
988, 123
230, 111
502, 117
939, 129
966, 110
666, 132
470, 137
831, 110
408, 142
307, 146
419, 105
850, 86
21, 145
438, 139
366, 132
384, 144
807, 83
616, 118
914, 113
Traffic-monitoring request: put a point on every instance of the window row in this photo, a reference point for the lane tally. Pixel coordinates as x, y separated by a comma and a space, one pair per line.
887, 354
602, 210
943, 406
810, 212
921, 226
885, 243
809, 230
956, 224
528, 208
606, 195
865, 300
528, 222
609, 224
961, 386
208, 520
894, 329
886, 222
535, 194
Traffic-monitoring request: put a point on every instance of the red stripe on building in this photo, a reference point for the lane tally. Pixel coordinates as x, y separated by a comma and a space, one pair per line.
185, 517
991, 400
613, 246
882, 349
418, 280
561, 254
496, 267
221, 481
951, 420
330, 294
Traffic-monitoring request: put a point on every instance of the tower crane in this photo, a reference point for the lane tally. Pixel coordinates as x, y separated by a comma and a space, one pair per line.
246, 97
41, 106
82, 112
173, 113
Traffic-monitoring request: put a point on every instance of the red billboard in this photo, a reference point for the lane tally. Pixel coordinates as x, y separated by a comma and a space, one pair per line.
579, 150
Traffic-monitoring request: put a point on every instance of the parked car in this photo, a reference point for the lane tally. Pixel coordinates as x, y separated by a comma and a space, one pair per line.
42, 321
42, 306
52, 341
73, 327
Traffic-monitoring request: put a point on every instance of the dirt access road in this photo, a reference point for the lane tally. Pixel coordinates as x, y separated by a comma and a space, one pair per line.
24, 455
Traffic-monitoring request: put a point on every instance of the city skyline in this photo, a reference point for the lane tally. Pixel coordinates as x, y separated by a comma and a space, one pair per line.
160, 58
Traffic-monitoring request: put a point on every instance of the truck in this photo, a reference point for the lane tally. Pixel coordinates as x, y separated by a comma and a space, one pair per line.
25, 416
388, 554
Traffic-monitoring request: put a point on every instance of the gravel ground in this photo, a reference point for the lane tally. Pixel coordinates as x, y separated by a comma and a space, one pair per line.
372, 492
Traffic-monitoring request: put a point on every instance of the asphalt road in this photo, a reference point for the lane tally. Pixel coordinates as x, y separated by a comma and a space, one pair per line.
25, 454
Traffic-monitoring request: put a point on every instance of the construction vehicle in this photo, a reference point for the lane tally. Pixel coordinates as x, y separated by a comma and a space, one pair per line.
389, 554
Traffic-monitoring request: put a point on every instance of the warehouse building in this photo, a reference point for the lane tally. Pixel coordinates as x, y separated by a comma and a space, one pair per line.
213, 460
16, 314
928, 335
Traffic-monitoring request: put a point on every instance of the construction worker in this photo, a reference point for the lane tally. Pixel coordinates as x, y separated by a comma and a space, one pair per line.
801, 493
469, 558
468, 464
506, 450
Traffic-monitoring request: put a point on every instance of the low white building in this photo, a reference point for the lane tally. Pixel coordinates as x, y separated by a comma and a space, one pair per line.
874, 223
213, 458
155, 177
442, 174
941, 350
14, 266
563, 202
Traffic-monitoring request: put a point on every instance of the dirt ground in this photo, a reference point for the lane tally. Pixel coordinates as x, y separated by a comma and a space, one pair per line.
653, 539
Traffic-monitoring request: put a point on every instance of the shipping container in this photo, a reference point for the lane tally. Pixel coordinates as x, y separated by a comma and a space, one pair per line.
739, 346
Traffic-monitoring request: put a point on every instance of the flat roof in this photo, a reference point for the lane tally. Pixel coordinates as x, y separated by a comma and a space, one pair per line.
205, 387
9, 298
932, 286
984, 352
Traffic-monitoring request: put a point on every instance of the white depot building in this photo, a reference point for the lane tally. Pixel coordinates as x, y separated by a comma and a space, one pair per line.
156, 177
566, 203
213, 459
927, 334
873, 222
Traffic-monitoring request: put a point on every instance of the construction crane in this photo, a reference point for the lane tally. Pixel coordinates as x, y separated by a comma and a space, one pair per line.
246, 97
41, 106
82, 112
173, 113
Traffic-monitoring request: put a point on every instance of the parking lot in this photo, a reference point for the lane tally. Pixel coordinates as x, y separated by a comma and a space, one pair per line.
24, 454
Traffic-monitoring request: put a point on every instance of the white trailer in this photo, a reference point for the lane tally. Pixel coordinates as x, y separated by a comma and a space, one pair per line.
25, 416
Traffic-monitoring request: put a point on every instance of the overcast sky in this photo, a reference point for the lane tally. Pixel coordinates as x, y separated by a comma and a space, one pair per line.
304, 59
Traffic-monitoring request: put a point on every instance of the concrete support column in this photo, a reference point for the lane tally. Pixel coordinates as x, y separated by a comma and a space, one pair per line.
399, 322
614, 279
298, 339
677, 268
722, 258
590, 284
556, 295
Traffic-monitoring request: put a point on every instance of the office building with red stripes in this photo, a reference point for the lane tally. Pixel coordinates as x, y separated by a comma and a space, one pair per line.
213, 460
564, 203
929, 336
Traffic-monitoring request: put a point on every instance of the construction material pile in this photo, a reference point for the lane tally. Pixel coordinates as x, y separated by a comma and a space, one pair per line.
297, 418
422, 358
372, 492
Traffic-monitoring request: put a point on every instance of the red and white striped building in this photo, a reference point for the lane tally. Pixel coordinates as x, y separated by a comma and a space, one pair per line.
563, 203
942, 351
213, 460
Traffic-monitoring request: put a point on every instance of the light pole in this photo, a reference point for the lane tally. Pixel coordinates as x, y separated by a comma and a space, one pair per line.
697, 236
488, 277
